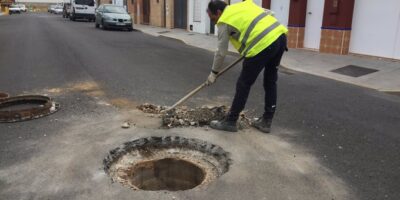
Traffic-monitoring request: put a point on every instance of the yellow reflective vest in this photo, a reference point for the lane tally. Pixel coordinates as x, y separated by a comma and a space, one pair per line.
258, 28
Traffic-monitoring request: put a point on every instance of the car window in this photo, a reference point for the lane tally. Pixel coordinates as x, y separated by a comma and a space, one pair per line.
85, 2
114, 9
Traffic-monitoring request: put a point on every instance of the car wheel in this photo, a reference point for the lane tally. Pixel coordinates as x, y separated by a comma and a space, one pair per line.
96, 25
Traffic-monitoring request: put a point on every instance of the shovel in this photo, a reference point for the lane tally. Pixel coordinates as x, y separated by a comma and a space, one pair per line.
193, 92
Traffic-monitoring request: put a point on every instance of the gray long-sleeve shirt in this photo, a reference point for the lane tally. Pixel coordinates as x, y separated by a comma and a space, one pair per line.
224, 32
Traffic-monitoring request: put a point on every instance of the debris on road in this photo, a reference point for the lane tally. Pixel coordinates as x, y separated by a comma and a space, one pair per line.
126, 125
184, 116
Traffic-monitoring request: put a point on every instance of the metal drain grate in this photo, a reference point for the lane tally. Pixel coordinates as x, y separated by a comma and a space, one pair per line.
354, 71
162, 32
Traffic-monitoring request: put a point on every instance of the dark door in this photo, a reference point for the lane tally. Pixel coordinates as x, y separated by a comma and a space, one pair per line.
266, 4
146, 11
180, 14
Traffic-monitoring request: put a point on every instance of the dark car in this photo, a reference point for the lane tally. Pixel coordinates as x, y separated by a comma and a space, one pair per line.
113, 16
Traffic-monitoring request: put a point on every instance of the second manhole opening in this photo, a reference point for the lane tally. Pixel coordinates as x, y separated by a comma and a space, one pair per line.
166, 163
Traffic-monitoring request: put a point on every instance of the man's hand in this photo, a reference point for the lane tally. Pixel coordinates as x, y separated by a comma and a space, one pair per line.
211, 78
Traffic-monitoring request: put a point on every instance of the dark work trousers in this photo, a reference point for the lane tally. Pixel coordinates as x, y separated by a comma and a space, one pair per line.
269, 59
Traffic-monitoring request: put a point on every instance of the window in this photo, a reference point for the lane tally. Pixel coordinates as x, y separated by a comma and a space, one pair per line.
197, 10
85, 2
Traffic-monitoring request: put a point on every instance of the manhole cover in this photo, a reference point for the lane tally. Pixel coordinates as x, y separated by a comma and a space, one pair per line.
3, 96
354, 71
21, 108
166, 163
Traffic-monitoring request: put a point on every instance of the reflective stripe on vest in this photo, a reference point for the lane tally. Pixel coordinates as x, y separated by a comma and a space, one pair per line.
251, 27
261, 35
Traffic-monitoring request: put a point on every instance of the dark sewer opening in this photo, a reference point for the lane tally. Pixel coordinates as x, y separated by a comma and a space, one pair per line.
22, 105
167, 174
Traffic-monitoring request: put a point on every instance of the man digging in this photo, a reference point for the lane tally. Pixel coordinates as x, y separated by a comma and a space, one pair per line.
261, 40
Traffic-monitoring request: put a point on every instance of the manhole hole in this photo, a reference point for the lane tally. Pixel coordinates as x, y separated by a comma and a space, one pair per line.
166, 163
3, 96
21, 108
354, 71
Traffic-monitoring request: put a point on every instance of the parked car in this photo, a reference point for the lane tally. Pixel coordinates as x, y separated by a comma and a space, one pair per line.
50, 9
82, 9
66, 8
22, 7
58, 9
113, 16
14, 9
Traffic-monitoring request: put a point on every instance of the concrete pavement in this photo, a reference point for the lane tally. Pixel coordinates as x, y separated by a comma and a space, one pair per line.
385, 79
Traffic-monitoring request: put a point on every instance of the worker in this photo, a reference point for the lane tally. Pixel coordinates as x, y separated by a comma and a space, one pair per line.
261, 40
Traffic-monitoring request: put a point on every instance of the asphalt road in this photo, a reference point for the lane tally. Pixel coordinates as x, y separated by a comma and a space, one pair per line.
353, 132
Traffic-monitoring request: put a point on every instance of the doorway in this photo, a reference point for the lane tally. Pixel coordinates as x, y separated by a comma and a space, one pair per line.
146, 12
314, 16
180, 14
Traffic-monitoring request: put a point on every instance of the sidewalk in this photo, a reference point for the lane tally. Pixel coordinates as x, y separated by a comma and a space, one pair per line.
386, 77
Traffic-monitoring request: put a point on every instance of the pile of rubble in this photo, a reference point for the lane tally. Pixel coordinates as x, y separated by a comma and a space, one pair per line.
184, 116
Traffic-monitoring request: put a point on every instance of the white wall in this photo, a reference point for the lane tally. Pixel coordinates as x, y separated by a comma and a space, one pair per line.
258, 2
281, 10
41, 1
202, 25
375, 29
397, 44
118, 2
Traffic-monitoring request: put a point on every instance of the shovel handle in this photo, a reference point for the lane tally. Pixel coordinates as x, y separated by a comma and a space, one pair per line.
193, 92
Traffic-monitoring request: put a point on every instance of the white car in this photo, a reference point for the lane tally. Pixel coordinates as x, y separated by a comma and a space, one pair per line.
14, 9
22, 7
58, 9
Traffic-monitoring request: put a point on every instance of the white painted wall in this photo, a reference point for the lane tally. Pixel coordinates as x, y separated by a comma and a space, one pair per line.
397, 44
281, 10
118, 2
42, 1
314, 16
375, 29
202, 25
258, 2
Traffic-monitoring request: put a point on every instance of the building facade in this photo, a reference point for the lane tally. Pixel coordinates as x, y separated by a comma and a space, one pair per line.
367, 27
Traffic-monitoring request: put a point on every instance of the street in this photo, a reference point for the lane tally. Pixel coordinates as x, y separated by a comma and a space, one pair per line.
329, 140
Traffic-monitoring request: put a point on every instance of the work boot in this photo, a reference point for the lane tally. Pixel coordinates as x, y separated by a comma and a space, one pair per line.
224, 125
262, 124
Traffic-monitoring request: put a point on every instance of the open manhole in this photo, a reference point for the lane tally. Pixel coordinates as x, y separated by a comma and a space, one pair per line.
21, 108
166, 163
3, 96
